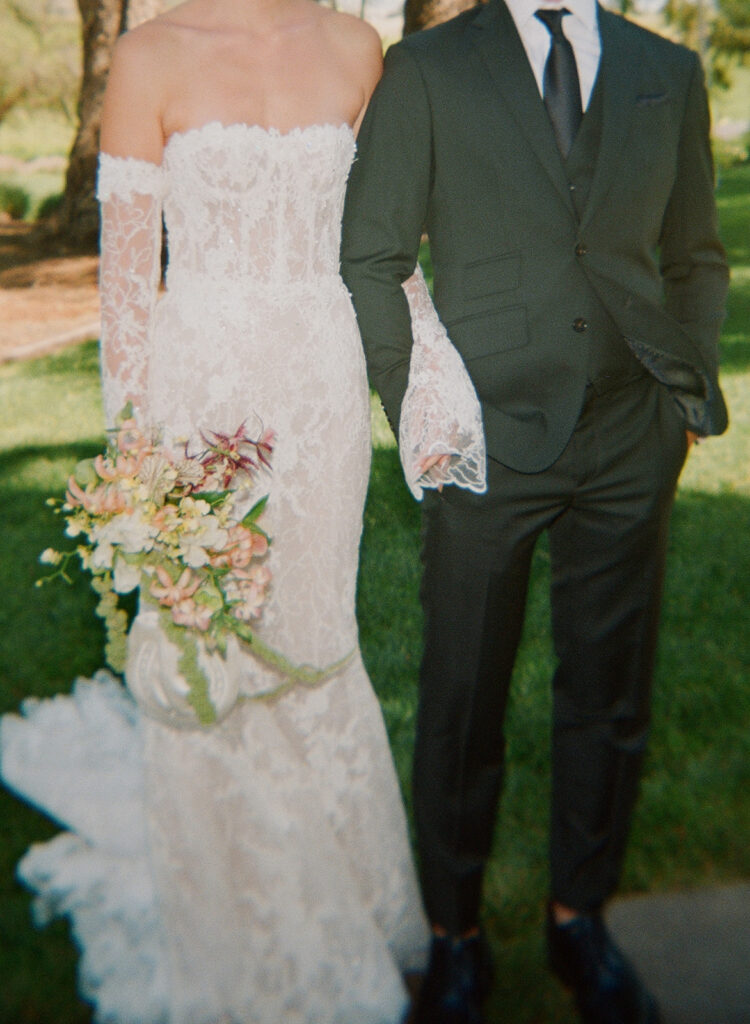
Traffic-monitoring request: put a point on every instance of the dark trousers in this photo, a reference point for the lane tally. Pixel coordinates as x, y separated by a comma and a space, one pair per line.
606, 504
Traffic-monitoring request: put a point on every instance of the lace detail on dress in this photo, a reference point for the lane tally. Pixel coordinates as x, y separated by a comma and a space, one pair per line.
130, 192
440, 414
219, 877
272, 869
256, 206
126, 177
80, 758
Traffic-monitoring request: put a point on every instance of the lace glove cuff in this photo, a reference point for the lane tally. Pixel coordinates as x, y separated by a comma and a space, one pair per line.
440, 414
130, 193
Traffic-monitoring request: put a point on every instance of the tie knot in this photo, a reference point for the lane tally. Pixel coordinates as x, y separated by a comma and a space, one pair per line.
552, 18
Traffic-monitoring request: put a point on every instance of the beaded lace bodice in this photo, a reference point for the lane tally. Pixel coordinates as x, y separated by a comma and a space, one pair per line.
237, 209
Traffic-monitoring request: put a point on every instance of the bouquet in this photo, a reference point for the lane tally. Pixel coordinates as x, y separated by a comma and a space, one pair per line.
171, 525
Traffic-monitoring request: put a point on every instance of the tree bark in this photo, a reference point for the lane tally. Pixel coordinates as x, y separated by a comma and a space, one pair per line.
419, 14
102, 22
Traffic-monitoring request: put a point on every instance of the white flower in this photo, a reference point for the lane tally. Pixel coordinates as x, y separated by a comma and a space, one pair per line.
126, 577
190, 507
206, 535
189, 472
50, 557
132, 532
157, 476
102, 555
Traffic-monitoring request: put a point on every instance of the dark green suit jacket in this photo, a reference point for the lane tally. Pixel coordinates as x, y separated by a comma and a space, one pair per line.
456, 142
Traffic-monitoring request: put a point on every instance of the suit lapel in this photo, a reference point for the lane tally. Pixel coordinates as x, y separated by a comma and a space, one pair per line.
493, 32
620, 82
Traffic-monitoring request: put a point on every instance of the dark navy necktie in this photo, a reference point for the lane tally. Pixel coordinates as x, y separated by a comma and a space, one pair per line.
561, 88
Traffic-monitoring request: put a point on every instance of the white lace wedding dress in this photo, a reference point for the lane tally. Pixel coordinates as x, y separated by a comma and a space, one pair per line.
257, 871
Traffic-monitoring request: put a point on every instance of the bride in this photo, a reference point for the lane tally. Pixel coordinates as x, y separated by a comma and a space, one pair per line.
256, 871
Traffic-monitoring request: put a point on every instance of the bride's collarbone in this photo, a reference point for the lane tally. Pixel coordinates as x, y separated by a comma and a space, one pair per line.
279, 106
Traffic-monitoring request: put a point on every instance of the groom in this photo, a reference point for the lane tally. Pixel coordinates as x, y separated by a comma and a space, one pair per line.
559, 161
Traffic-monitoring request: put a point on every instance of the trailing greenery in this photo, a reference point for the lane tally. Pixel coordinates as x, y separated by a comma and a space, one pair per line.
694, 815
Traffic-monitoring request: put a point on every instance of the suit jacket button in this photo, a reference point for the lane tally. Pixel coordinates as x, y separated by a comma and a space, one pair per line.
581, 249
580, 324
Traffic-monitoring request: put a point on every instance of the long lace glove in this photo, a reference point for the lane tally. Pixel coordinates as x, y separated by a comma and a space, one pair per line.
440, 414
130, 194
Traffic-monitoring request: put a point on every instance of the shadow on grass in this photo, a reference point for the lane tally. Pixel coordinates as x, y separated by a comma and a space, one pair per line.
735, 343
48, 636
14, 459
733, 199
734, 181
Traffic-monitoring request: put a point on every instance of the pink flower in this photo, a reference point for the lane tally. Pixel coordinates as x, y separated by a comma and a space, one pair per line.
231, 454
102, 500
251, 604
124, 466
247, 589
261, 575
130, 438
166, 519
242, 546
170, 593
195, 616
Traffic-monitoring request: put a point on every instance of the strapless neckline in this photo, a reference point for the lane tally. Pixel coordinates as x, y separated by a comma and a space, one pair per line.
216, 127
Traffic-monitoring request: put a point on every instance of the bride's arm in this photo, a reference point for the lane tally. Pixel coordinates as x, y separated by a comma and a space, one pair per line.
130, 193
441, 434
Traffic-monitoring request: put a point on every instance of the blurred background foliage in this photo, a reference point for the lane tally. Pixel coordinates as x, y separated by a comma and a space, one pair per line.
54, 58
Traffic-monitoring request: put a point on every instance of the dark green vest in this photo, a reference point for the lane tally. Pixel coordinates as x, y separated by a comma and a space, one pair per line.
609, 357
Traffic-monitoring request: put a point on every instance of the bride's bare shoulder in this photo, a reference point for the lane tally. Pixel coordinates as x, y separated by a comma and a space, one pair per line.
154, 47
141, 78
355, 38
142, 54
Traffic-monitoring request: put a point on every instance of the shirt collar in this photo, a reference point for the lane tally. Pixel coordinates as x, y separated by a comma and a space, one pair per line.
524, 10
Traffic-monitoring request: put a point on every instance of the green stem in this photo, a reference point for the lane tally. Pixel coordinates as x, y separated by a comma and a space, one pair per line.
297, 675
187, 663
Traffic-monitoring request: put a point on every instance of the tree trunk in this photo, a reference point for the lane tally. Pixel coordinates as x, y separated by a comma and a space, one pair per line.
102, 23
419, 14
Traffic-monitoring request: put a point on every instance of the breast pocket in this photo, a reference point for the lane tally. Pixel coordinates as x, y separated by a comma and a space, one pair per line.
493, 275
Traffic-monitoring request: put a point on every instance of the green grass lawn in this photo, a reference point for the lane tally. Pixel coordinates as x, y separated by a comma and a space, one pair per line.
693, 819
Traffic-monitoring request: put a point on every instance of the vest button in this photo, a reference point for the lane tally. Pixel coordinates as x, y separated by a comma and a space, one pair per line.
580, 324
581, 249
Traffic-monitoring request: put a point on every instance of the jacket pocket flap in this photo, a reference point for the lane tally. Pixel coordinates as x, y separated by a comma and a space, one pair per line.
483, 334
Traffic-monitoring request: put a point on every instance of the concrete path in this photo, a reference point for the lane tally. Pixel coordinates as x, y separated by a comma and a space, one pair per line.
693, 950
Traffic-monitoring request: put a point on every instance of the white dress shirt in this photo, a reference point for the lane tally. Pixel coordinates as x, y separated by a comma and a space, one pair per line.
581, 27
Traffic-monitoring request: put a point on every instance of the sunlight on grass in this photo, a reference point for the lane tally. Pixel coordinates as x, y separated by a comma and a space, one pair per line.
56, 398
722, 464
382, 435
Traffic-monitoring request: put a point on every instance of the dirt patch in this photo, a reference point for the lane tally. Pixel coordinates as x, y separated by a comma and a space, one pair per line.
48, 296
